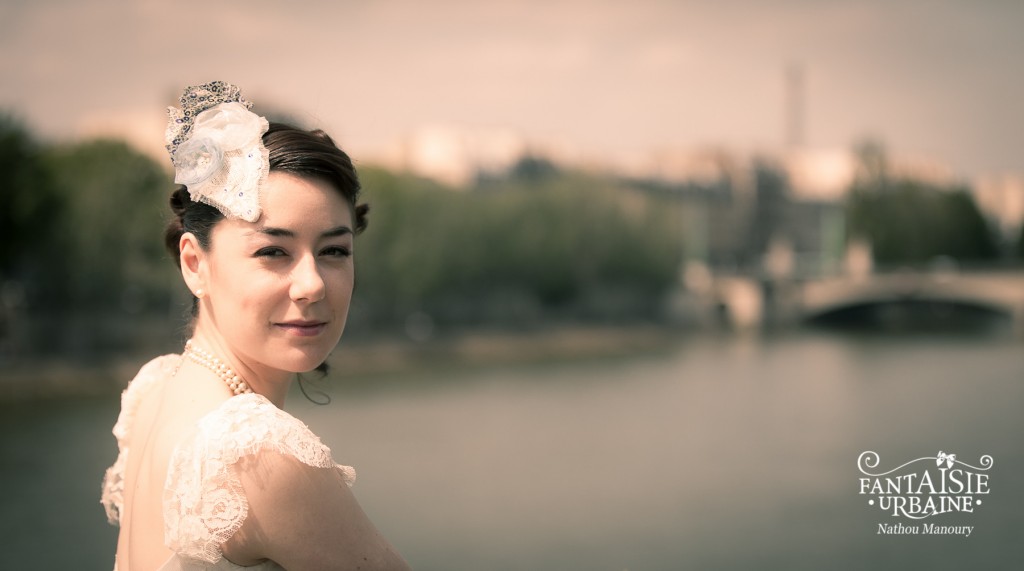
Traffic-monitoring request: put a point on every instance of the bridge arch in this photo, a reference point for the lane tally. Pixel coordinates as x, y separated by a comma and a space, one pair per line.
917, 300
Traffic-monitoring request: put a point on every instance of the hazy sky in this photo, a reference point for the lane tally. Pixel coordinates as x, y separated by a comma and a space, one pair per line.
933, 78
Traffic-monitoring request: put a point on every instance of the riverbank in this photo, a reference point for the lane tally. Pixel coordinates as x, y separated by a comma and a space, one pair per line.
359, 357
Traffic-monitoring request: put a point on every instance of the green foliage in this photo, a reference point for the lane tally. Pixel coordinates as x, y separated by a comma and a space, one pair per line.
910, 222
547, 245
533, 169
1020, 243
110, 235
28, 201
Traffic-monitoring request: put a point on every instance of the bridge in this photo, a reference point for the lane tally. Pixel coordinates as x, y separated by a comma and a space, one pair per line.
998, 292
888, 297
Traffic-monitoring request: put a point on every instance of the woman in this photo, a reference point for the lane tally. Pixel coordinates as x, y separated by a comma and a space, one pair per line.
211, 472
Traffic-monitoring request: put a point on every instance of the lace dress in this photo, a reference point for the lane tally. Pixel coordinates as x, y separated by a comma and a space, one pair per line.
203, 502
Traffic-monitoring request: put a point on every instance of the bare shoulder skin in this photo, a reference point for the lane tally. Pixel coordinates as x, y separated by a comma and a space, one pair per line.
305, 518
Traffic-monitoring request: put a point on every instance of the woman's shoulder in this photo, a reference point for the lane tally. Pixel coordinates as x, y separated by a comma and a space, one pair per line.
249, 424
204, 500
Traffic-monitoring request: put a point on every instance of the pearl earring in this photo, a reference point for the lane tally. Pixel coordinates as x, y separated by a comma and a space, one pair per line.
199, 293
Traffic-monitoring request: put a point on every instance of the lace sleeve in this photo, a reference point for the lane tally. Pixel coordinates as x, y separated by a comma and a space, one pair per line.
112, 495
204, 503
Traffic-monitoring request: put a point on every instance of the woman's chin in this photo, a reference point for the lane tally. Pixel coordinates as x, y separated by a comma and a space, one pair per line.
303, 363
303, 355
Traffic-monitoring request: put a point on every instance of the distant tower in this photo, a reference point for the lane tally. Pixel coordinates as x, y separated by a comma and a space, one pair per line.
794, 106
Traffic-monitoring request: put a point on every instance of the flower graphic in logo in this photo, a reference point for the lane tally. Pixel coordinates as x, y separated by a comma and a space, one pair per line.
947, 458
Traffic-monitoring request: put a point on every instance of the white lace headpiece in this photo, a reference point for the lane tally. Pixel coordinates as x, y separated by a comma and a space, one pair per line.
216, 146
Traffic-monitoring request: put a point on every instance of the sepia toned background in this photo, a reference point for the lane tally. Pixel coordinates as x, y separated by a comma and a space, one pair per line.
641, 282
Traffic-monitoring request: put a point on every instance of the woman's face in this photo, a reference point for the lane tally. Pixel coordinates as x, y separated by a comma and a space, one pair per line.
278, 290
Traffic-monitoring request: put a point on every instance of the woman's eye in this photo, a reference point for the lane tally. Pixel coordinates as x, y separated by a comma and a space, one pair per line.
336, 252
271, 252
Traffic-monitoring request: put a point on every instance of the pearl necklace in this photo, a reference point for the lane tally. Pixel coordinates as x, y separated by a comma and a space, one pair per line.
234, 382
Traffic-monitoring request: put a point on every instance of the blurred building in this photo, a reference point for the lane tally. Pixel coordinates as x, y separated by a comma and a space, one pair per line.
1001, 199
455, 156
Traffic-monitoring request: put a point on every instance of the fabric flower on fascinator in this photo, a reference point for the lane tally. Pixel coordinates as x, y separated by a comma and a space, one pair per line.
216, 146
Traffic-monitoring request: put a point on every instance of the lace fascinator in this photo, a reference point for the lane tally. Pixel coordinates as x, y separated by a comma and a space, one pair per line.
216, 146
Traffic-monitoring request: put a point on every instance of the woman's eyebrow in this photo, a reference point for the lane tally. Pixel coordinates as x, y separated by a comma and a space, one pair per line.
271, 231
284, 232
334, 232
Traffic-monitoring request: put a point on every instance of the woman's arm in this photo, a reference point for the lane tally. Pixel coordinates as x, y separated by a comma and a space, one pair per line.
305, 518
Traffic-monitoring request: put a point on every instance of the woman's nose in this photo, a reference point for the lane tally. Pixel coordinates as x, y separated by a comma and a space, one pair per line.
307, 283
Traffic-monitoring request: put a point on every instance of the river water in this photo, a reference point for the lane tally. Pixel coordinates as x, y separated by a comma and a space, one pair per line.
722, 453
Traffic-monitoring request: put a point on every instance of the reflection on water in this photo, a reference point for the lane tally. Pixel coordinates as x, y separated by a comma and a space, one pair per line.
724, 454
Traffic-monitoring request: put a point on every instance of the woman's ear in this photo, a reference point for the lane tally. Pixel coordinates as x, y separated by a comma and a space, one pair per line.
193, 263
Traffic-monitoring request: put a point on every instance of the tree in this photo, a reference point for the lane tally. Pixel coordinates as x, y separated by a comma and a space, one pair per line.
111, 234
872, 164
533, 169
28, 200
1020, 243
571, 244
913, 222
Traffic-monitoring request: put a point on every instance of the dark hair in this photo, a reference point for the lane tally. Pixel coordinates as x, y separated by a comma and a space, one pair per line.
307, 154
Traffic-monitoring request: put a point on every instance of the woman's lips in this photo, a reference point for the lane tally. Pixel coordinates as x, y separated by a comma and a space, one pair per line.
303, 328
